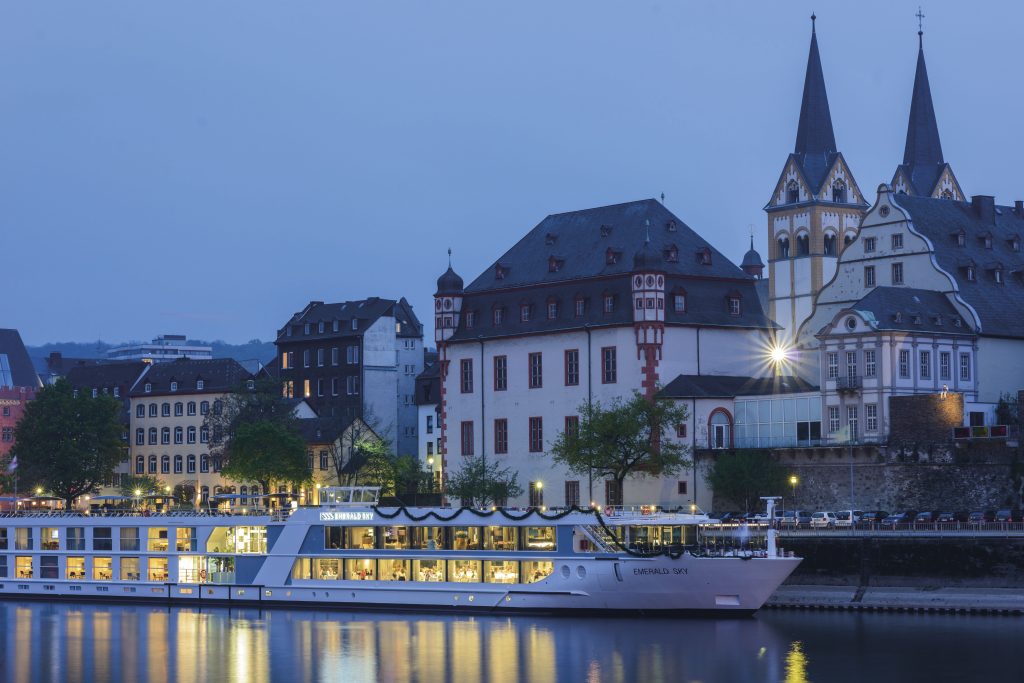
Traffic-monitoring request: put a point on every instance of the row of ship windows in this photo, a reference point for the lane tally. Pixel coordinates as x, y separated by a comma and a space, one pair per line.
191, 569
430, 571
925, 366
234, 540
530, 538
535, 370
180, 409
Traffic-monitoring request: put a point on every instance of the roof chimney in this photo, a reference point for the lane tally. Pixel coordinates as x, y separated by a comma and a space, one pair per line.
1018, 206
985, 207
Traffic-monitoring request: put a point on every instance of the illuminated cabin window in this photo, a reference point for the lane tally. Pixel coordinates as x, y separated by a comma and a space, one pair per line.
185, 539
465, 538
501, 571
361, 570
393, 570
464, 571
395, 537
536, 571
23, 538
157, 539
156, 569
539, 538
49, 539
241, 540
23, 567
500, 538
430, 571
130, 569
102, 568
75, 569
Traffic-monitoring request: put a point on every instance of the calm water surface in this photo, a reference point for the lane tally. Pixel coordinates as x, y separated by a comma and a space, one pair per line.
51, 642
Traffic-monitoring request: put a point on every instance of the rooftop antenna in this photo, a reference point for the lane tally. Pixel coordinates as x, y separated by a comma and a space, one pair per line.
662, 197
813, 19
449, 257
920, 27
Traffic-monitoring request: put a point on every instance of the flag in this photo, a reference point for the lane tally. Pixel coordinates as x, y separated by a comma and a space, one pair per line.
13, 464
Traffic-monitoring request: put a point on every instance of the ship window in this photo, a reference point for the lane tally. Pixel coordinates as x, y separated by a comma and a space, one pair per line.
464, 571
465, 538
393, 570
361, 537
101, 538
536, 571
102, 569
360, 570
501, 571
190, 569
23, 538
76, 538
75, 569
185, 539
157, 569
323, 569
395, 537
334, 537
157, 539
50, 538
242, 540
539, 538
427, 537
48, 567
500, 538
428, 570
129, 538
130, 569
23, 567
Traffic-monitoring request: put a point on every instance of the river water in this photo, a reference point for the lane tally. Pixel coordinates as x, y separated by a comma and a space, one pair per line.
54, 642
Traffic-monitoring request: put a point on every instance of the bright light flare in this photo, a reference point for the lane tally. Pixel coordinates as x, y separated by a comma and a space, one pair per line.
779, 354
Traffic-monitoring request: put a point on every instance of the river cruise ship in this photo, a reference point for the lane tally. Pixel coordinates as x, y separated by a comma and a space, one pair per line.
350, 552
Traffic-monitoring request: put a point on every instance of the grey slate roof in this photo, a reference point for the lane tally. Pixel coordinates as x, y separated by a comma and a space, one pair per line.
922, 157
731, 386
321, 430
16, 369
920, 310
815, 149
106, 375
366, 311
219, 375
1000, 306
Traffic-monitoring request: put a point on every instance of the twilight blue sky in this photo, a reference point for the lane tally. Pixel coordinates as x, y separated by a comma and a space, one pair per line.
207, 167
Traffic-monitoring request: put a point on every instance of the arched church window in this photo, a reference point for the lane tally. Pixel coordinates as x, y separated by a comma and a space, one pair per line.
803, 245
830, 245
783, 243
839, 192
792, 192
847, 239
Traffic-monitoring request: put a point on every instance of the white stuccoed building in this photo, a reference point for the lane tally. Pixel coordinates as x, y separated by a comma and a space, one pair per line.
589, 305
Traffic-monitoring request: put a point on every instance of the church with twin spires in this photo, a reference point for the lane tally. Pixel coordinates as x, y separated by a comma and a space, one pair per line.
816, 206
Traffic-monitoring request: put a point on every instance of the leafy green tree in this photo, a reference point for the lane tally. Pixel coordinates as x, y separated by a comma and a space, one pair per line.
184, 494
267, 452
626, 438
479, 482
744, 476
69, 444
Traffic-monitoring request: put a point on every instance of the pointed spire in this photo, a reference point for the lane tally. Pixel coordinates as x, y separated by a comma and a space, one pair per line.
923, 147
814, 134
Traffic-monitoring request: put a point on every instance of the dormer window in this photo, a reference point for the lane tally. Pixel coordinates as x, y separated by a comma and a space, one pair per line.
334, 326
305, 328
734, 305
499, 271
839, 192
579, 306
148, 387
704, 256
470, 319
898, 317
288, 330
555, 264
552, 310
998, 274
679, 302
355, 323
970, 273
611, 257
250, 384
1015, 244
988, 241
174, 386
672, 254
609, 303
938, 321
606, 230
917, 320
671, 226
499, 316
549, 239
961, 239
200, 385
792, 192
524, 313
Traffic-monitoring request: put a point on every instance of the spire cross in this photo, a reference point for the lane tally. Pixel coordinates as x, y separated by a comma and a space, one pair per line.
449, 257
920, 17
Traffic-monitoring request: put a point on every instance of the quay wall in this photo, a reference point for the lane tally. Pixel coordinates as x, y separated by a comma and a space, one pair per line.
904, 561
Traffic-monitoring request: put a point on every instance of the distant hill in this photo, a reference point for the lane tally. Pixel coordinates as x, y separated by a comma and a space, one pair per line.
253, 349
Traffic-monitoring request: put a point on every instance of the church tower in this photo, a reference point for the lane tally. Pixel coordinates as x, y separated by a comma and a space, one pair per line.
924, 173
813, 212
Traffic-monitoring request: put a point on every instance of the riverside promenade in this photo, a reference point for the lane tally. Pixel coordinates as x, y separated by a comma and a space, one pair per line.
961, 600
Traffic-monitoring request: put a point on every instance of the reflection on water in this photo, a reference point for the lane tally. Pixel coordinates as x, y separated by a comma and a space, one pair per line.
51, 642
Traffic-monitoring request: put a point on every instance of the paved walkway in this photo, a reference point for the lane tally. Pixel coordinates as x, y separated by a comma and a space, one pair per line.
883, 598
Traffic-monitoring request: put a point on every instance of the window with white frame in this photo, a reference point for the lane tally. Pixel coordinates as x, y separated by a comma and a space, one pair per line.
833, 419
897, 273
965, 367
944, 365
897, 240
871, 417
869, 363
869, 276
904, 364
852, 421
926, 364
851, 365
833, 365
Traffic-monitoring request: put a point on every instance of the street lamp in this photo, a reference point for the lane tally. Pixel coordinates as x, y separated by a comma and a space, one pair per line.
539, 490
793, 481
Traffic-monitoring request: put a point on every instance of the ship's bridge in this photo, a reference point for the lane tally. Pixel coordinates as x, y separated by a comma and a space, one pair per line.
349, 496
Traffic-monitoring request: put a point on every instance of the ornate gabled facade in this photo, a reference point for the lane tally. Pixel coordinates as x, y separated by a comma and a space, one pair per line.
589, 305
813, 212
924, 172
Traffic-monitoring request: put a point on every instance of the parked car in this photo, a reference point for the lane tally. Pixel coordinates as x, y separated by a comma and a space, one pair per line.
898, 518
823, 520
951, 517
981, 517
794, 518
725, 517
1007, 516
873, 517
849, 518
926, 517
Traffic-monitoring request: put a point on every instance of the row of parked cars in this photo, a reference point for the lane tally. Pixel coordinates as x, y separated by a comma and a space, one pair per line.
876, 518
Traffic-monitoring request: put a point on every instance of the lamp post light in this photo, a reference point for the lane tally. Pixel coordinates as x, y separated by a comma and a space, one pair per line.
793, 481
538, 487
